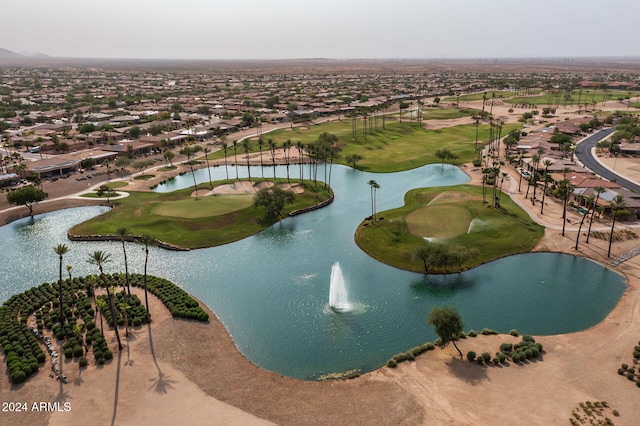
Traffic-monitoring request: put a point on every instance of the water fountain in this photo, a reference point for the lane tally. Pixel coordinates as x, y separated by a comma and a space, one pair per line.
338, 296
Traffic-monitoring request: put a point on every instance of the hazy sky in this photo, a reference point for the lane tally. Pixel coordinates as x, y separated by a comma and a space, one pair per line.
265, 29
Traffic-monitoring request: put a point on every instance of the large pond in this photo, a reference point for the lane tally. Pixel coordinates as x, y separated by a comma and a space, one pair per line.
271, 290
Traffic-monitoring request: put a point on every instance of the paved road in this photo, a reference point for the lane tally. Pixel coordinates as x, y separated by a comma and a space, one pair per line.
585, 155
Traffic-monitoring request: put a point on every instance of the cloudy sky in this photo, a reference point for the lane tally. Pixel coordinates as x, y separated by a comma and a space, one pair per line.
266, 29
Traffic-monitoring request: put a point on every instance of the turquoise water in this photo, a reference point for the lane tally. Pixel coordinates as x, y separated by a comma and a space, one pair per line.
271, 290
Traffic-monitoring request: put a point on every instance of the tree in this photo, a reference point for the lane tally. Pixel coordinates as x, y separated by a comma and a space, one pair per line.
273, 200
546, 164
565, 186
353, 159
123, 233
100, 305
225, 146
618, 203
246, 146
235, 155
147, 241
372, 184
169, 155
445, 154
61, 250
142, 165
434, 255
206, 157
123, 162
447, 324
123, 308
99, 258
135, 132
598, 190
26, 196
190, 152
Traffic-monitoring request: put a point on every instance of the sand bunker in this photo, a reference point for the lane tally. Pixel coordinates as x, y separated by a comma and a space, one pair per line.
246, 187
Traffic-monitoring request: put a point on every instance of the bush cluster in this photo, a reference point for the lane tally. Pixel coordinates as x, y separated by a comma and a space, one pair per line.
630, 372
526, 349
410, 355
136, 313
178, 301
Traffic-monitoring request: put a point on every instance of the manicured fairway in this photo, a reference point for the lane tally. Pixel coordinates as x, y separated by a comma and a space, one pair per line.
451, 216
206, 206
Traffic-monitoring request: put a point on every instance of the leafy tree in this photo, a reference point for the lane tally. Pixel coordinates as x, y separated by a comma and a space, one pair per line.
142, 165
448, 325
445, 154
353, 159
135, 132
88, 163
123, 162
61, 250
169, 155
86, 128
432, 255
26, 196
273, 200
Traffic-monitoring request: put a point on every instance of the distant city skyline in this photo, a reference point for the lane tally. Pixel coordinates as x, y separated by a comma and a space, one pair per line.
347, 29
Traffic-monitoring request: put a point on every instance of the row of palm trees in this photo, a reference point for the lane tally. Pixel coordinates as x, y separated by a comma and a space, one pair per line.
99, 258
322, 151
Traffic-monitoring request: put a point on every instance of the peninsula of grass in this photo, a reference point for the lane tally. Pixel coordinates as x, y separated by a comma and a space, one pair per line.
451, 216
181, 220
398, 147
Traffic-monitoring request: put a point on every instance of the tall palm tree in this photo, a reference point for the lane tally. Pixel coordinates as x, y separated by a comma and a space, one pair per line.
99, 258
376, 186
299, 146
100, 305
616, 204
566, 187
590, 201
123, 306
61, 250
147, 241
260, 145
246, 147
225, 146
122, 233
272, 147
371, 184
235, 155
190, 152
287, 157
598, 190
546, 164
206, 157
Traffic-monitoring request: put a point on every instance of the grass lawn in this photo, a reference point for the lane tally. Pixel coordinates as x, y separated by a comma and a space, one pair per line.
144, 177
448, 113
119, 184
401, 146
572, 97
452, 216
167, 168
179, 219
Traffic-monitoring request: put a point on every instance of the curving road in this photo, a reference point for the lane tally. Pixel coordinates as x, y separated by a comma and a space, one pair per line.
584, 152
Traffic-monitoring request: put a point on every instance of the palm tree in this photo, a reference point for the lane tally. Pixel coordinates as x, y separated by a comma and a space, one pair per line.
586, 213
77, 331
123, 232
299, 146
225, 146
61, 250
546, 164
69, 268
566, 187
287, 150
99, 258
260, 145
371, 184
123, 306
246, 146
272, 147
235, 155
190, 152
147, 241
616, 204
598, 190
206, 157
376, 186
100, 305
477, 123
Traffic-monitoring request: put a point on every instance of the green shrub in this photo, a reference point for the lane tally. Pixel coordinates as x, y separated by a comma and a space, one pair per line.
486, 356
392, 363
630, 375
506, 347
68, 353
488, 331
83, 361
625, 366
480, 360
527, 338
472, 333
471, 355
514, 332
501, 357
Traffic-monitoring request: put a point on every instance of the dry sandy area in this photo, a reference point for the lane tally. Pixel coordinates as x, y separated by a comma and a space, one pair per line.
178, 371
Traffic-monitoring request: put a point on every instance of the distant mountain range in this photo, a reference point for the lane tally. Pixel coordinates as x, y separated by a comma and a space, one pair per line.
8, 54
